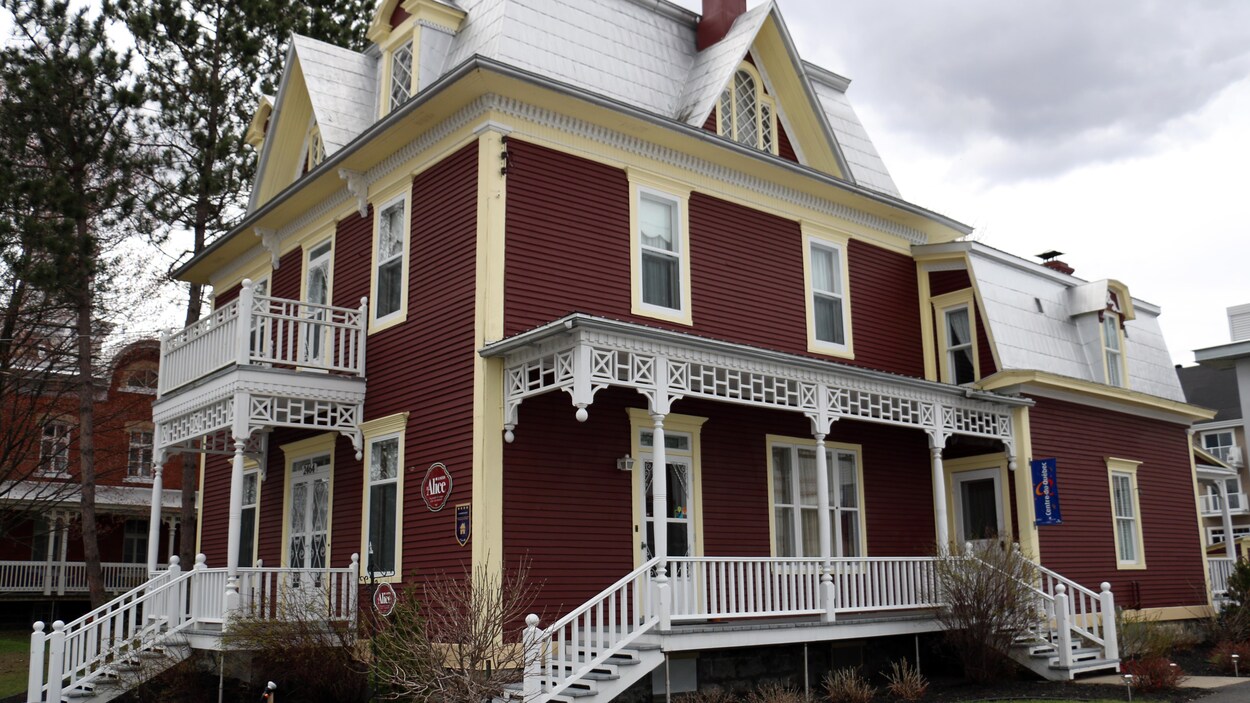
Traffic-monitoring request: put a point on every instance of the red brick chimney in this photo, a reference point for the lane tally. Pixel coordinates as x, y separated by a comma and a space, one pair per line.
1050, 259
718, 17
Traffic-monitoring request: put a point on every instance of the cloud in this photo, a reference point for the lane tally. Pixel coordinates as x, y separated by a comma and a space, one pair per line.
1023, 90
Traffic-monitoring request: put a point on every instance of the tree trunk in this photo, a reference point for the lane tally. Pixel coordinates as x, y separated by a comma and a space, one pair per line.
86, 431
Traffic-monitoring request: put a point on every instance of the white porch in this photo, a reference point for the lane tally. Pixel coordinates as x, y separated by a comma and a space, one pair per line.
257, 363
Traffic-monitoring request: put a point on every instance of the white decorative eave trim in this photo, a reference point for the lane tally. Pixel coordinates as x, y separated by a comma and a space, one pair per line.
358, 186
582, 354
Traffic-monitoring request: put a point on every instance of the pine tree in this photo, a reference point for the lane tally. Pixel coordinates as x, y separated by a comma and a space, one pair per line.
70, 116
207, 63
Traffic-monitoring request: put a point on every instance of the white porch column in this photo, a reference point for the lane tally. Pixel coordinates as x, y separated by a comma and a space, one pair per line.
659, 515
235, 528
937, 440
825, 525
1230, 545
63, 531
154, 517
53, 522
172, 526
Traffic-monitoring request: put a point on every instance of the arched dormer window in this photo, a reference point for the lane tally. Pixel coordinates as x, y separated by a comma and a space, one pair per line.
745, 113
314, 149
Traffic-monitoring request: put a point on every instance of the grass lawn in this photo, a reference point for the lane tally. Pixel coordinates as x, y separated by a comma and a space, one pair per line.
14, 656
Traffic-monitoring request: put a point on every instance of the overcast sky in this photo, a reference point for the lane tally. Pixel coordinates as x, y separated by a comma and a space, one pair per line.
1117, 132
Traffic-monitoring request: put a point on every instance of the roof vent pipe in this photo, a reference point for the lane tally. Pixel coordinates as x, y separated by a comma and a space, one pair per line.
718, 17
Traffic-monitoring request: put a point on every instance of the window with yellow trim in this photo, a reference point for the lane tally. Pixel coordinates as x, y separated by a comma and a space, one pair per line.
796, 515
956, 320
390, 256
401, 72
381, 536
660, 248
745, 113
1126, 514
314, 149
1113, 342
827, 292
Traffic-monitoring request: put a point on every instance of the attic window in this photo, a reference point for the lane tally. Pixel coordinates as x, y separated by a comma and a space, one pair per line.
401, 74
745, 113
314, 149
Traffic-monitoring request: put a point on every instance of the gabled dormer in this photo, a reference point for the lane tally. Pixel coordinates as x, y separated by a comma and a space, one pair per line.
1099, 310
413, 36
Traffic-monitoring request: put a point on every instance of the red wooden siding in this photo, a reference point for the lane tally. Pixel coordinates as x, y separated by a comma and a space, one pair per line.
568, 251
226, 295
215, 506
784, 148
1083, 547
569, 510
943, 282
710, 123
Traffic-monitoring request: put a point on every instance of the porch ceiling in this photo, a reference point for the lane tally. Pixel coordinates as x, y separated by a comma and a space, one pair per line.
581, 354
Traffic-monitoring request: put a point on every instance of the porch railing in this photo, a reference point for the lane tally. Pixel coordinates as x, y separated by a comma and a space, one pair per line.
724, 587
1069, 608
1221, 569
61, 577
266, 331
1211, 504
73, 654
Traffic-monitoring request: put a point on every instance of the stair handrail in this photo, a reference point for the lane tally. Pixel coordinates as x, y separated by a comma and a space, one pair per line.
78, 651
554, 653
1085, 606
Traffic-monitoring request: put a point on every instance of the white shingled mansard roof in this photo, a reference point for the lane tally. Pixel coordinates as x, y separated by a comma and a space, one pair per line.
1050, 339
639, 52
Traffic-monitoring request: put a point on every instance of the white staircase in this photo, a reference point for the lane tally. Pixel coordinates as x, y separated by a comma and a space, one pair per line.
144, 632
1075, 633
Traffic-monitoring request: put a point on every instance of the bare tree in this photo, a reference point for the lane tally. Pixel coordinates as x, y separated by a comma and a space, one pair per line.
455, 639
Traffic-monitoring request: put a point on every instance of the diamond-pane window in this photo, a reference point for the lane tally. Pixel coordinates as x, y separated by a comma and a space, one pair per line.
401, 74
746, 114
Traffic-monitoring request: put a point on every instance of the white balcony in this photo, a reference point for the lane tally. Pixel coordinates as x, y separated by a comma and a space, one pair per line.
1211, 506
256, 363
62, 577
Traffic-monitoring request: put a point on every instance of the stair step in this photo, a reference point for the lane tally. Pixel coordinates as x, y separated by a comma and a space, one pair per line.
1077, 653
1088, 665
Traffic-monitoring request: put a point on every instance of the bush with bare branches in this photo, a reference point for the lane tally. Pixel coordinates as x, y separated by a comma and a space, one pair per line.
987, 601
455, 640
905, 682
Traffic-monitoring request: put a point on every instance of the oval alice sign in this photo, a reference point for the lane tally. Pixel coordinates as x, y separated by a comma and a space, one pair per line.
436, 488
384, 599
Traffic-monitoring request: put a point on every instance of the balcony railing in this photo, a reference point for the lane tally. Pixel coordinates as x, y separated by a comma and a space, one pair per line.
1211, 504
61, 577
260, 330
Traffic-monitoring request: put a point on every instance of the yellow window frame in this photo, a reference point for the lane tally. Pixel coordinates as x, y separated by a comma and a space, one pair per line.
772, 440
946, 303
1126, 467
640, 420
642, 183
385, 199
382, 428
818, 235
762, 99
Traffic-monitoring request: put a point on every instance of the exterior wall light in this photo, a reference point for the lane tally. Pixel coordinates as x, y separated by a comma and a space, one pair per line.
625, 463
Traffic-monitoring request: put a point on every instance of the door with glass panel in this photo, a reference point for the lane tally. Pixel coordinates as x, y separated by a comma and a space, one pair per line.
978, 505
676, 522
308, 520
317, 293
796, 511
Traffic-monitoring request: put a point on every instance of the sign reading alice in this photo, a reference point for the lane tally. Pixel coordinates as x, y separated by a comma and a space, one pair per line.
436, 488
1046, 492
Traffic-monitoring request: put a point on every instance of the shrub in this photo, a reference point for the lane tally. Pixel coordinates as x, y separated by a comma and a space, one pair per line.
904, 681
775, 692
707, 695
848, 686
1154, 674
987, 600
1222, 656
1143, 636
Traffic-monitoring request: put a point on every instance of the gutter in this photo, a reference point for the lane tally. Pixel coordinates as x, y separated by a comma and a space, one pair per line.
477, 62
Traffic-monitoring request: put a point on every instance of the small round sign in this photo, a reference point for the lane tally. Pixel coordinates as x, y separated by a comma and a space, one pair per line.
384, 599
436, 488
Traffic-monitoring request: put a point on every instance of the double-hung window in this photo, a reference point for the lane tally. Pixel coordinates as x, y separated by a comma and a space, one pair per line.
660, 248
54, 448
828, 302
135, 542
139, 465
960, 362
661, 252
796, 513
1126, 514
389, 274
1219, 444
1112, 344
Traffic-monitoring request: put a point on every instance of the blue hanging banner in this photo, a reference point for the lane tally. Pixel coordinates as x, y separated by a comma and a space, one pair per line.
1046, 492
